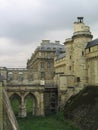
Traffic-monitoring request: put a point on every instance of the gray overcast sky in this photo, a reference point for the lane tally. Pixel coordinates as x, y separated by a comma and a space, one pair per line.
24, 23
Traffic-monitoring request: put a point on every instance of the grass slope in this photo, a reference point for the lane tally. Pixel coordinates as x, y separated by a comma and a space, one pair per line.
50, 122
53, 122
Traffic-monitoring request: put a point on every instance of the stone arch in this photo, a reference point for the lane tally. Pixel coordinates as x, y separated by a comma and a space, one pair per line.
34, 102
12, 95
15, 100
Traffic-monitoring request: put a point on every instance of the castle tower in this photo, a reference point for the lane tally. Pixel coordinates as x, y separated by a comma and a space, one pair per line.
75, 53
68, 45
81, 37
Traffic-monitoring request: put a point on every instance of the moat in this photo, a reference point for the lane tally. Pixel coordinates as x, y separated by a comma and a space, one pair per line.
50, 122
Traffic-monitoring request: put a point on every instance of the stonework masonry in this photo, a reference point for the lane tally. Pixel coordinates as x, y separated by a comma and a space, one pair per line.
80, 63
1, 108
55, 72
7, 117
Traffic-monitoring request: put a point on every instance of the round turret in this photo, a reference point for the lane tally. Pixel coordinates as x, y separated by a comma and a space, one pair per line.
80, 28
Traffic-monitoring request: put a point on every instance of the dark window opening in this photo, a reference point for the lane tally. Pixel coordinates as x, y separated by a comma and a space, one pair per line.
42, 75
52, 104
20, 77
48, 65
78, 79
69, 67
42, 64
82, 53
89, 49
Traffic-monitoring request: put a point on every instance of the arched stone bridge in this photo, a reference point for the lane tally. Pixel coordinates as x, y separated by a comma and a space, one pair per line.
22, 83
36, 92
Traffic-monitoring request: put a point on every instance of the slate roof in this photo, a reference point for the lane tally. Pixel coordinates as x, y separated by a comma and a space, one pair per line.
51, 47
60, 56
92, 43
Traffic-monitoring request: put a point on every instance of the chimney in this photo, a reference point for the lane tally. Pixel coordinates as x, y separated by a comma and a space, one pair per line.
44, 42
58, 42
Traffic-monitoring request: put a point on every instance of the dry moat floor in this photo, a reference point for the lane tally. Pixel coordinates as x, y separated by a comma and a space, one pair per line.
51, 122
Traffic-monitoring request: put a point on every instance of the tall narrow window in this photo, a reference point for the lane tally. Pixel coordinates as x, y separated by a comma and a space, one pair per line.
20, 76
42, 75
78, 79
69, 67
82, 53
48, 65
10, 76
42, 64
48, 55
89, 49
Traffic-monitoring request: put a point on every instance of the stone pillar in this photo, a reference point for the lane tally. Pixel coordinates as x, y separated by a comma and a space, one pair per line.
1, 108
42, 104
96, 71
22, 109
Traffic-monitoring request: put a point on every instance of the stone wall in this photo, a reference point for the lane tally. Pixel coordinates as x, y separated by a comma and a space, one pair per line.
1, 108
9, 120
92, 65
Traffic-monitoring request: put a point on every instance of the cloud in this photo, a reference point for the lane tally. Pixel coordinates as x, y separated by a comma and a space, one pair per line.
27, 21
24, 23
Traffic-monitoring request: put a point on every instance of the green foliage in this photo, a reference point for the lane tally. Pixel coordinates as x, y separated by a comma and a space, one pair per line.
15, 105
29, 105
51, 122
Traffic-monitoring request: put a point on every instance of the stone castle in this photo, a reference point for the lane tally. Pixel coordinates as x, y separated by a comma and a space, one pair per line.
55, 72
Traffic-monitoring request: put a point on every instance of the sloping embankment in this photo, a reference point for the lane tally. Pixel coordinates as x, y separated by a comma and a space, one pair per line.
83, 108
9, 120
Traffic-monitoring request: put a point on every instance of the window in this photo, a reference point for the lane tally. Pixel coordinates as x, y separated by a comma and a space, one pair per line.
48, 65
48, 48
89, 49
30, 77
70, 57
42, 75
10, 76
42, 64
82, 53
78, 79
42, 54
20, 77
48, 55
69, 67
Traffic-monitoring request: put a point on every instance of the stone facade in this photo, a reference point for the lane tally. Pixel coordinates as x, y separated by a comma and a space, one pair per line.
43, 61
92, 62
55, 72
1, 108
7, 117
80, 63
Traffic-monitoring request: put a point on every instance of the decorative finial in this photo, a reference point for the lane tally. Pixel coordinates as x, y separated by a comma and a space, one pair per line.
80, 19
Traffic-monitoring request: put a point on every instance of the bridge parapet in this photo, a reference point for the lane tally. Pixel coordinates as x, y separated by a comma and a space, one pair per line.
26, 83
